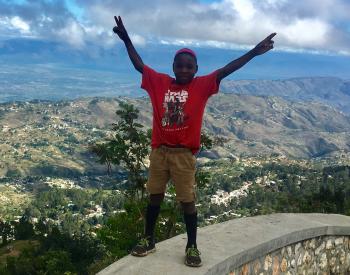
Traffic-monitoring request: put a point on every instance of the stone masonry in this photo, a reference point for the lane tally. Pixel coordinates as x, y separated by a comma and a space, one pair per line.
322, 255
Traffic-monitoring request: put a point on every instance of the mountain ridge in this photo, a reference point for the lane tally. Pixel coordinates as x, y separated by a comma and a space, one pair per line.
55, 136
328, 90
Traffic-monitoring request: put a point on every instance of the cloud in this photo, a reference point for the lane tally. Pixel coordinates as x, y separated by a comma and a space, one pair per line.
310, 25
73, 33
19, 24
314, 26
13, 25
47, 20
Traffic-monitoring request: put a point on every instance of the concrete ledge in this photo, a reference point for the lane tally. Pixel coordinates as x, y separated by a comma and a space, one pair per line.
226, 246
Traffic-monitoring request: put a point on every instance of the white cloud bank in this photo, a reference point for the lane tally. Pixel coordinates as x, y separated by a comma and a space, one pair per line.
309, 25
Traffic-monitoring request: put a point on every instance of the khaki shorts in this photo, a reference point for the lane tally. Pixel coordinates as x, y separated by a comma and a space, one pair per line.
177, 164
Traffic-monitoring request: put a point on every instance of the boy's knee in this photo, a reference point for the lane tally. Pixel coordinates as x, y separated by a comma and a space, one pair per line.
156, 199
188, 207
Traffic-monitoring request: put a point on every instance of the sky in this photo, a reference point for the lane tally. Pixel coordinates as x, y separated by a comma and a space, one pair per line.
316, 29
311, 25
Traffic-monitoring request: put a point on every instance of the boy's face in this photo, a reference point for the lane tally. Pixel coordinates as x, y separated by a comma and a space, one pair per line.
184, 67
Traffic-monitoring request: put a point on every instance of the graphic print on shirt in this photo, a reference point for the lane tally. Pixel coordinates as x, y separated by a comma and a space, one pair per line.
174, 105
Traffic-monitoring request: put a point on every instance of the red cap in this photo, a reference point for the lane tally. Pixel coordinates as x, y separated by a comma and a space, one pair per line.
186, 50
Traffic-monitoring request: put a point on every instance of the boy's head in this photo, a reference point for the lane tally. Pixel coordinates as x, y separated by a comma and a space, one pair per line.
185, 65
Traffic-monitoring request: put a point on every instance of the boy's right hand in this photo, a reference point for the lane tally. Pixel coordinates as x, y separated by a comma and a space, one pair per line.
120, 29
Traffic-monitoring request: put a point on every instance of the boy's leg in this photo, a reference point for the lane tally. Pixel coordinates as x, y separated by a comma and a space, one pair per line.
156, 185
152, 212
190, 217
147, 244
183, 174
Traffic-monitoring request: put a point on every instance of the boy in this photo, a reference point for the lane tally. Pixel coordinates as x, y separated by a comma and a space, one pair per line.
178, 106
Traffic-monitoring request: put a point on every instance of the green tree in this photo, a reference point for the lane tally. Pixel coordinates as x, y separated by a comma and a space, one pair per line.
24, 229
122, 231
128, 149
202, 177
6, 232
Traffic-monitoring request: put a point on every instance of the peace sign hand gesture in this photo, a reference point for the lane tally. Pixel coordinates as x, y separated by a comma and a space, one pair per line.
265, 45
120, 29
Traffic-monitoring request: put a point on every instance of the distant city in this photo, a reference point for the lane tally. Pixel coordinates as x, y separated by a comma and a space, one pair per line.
32, 69
43, 82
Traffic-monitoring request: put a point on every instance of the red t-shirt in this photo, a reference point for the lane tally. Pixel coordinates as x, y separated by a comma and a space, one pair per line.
177, 109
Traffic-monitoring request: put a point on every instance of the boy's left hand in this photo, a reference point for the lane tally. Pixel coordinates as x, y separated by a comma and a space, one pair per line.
265, 45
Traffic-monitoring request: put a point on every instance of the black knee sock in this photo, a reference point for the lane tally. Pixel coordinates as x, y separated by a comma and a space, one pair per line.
191, 228
151, 218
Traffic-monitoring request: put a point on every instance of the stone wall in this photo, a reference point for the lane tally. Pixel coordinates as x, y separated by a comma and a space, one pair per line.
322, 255
280, 243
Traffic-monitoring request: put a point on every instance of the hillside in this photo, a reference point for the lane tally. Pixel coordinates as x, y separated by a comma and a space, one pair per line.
267, 125
52, 138
328, 90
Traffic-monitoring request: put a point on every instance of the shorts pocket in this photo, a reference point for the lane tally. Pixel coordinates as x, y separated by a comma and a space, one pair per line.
193, 160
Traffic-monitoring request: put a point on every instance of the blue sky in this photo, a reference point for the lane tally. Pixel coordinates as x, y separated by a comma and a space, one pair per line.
318, 31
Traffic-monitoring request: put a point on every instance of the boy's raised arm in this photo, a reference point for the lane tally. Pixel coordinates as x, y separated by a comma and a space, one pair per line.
261, 48
123, 35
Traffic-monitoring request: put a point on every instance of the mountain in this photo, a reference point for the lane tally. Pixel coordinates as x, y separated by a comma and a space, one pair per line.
268, 125
53, 138
328, 90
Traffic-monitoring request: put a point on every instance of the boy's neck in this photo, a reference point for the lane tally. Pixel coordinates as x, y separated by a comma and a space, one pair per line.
178, 82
